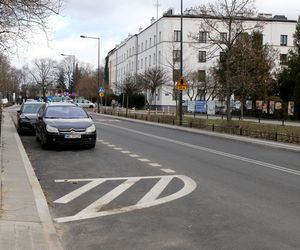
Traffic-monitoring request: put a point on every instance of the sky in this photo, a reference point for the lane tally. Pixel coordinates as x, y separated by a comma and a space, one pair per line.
113, 21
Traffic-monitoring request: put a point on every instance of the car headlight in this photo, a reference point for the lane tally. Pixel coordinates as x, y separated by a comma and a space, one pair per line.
51, 129
22, 116
91, 129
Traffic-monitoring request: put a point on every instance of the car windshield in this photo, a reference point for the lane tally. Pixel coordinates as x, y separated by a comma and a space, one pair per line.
32, 108
69, 112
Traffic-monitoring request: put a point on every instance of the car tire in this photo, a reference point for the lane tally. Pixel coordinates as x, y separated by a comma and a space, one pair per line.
19, 130
91, 106
44, 142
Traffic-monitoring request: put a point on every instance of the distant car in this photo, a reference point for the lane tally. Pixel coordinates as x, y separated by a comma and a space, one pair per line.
27, 116
65, 124
84, 103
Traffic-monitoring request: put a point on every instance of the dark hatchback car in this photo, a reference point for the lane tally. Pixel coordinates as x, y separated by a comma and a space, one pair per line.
65, 124
27, 117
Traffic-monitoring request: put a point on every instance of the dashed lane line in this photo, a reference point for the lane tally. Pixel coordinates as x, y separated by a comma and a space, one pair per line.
168, 171
152, 164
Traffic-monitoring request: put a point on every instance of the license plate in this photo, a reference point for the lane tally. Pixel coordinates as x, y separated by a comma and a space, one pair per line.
72, 136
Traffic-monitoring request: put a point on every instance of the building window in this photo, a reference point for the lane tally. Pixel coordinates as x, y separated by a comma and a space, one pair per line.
176, 55
154, 59
201, 76
283, 40
142, 47
133, 51
146, 45
139, 48
154, 39
130, 52
202, 56
150, 61
150, 42
142, 61
223, 37
202, 37
177, 36
138, 64
159, 36
283, 59
145, 62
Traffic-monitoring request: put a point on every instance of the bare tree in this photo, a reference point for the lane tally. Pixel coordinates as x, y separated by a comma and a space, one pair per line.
222, 24
43, 74
20, 18
151, 80
203, 89
129, 87
87, 84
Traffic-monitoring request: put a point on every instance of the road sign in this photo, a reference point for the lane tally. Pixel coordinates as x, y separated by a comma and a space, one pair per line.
101, 94
101, 90
181, 84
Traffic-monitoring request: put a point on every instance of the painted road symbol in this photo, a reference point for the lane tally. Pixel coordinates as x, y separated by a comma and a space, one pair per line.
150, 199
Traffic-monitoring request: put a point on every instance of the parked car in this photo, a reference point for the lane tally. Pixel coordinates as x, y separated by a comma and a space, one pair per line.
84, 103
27, 116
65, 124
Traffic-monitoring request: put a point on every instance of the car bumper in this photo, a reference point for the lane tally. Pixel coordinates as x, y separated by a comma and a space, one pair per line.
26, 125
60, 139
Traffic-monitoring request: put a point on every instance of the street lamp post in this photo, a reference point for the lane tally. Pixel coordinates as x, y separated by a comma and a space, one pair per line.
181, 64
73, 66
98, 75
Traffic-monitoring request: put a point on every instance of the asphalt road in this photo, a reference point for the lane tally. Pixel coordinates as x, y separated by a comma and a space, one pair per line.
147, 187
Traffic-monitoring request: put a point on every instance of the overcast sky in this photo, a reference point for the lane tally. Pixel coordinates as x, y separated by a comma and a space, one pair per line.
113, 21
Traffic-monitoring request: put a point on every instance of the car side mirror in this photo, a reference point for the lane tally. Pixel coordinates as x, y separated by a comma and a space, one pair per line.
91, 117
19, 111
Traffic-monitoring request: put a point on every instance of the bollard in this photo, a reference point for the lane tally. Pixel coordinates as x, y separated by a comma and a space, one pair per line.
213, 127
276, 136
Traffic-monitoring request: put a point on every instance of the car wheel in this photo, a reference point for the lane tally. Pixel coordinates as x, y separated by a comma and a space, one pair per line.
37, 138
19, 130
92, 145
44, 142
91, 106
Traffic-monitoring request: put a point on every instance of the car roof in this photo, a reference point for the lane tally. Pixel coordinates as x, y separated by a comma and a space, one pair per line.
32, 102
62, 104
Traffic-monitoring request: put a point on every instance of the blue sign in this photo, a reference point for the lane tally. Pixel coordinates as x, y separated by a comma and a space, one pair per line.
49, 98
200, 106
101, 90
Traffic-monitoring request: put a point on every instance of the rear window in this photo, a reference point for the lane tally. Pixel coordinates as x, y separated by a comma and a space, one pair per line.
69, 112
31, 108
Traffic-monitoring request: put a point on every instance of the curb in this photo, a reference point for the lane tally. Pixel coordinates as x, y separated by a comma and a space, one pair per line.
50, 233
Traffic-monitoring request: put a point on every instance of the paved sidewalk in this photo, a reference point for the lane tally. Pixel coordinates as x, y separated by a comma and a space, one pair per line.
25, 221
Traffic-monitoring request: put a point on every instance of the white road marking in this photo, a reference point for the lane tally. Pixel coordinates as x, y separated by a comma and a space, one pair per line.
125, 152
134, 156
144, 160
105, 143
118, 148
154, 165
99, 140
156, 190
168, 171
150, 198
76, 193
112, 146
212, 151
